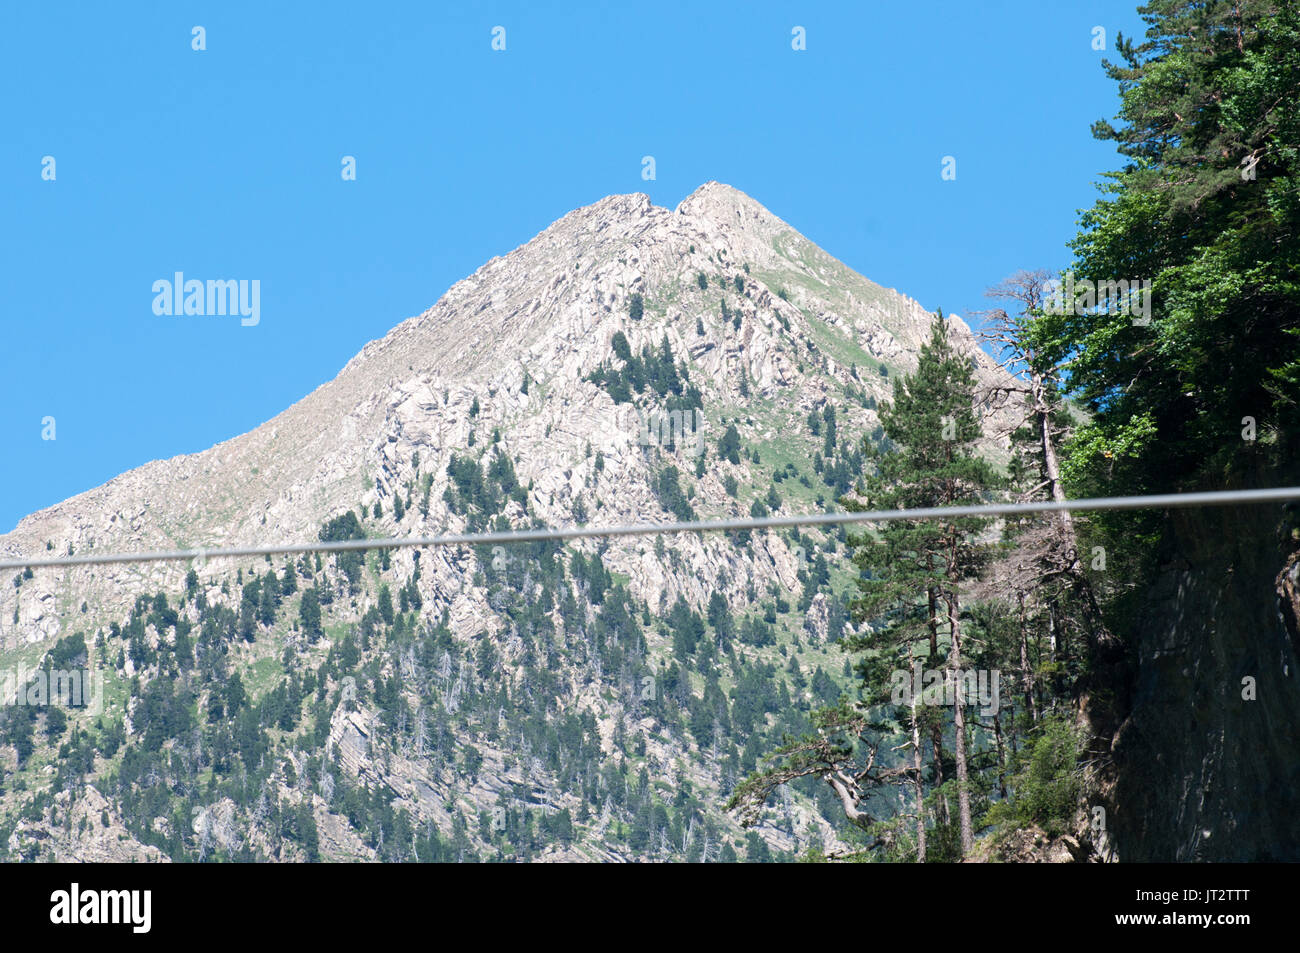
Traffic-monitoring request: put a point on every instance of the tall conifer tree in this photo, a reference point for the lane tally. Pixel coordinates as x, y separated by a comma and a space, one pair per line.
912, 569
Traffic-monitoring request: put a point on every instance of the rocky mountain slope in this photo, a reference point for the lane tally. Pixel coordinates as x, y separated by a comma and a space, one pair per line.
545, 312
540, 370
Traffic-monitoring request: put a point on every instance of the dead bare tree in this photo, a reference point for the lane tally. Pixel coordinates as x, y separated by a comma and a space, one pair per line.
1035, 385
1034, 377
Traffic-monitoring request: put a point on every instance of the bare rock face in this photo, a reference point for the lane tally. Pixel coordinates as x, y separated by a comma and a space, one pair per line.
84, 829
817, 619
518, 336
1031, 845
1206, 765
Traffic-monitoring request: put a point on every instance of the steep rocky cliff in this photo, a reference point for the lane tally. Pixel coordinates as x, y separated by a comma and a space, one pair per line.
1206, 761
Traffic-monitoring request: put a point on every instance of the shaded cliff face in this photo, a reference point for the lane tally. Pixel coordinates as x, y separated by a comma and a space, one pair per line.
1208, 760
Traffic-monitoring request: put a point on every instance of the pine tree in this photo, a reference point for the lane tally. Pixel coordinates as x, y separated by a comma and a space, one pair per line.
911, 569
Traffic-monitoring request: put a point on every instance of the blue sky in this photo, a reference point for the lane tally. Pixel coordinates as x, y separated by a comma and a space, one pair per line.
225, 163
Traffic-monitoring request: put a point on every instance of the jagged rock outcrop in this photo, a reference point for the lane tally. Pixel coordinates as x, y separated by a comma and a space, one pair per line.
81, 829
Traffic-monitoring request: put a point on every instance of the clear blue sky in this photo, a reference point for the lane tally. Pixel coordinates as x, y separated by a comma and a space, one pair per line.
226, 163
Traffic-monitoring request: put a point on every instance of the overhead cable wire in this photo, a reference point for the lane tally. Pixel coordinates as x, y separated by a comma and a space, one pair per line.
1158, 501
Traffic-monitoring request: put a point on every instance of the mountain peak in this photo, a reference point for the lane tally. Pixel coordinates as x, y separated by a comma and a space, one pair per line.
723, 204
623, 202
516, 352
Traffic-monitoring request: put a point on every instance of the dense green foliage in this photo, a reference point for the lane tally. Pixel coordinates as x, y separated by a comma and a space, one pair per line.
1208, 209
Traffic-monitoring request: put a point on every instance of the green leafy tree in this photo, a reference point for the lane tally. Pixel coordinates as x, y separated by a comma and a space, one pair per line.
1208, 210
